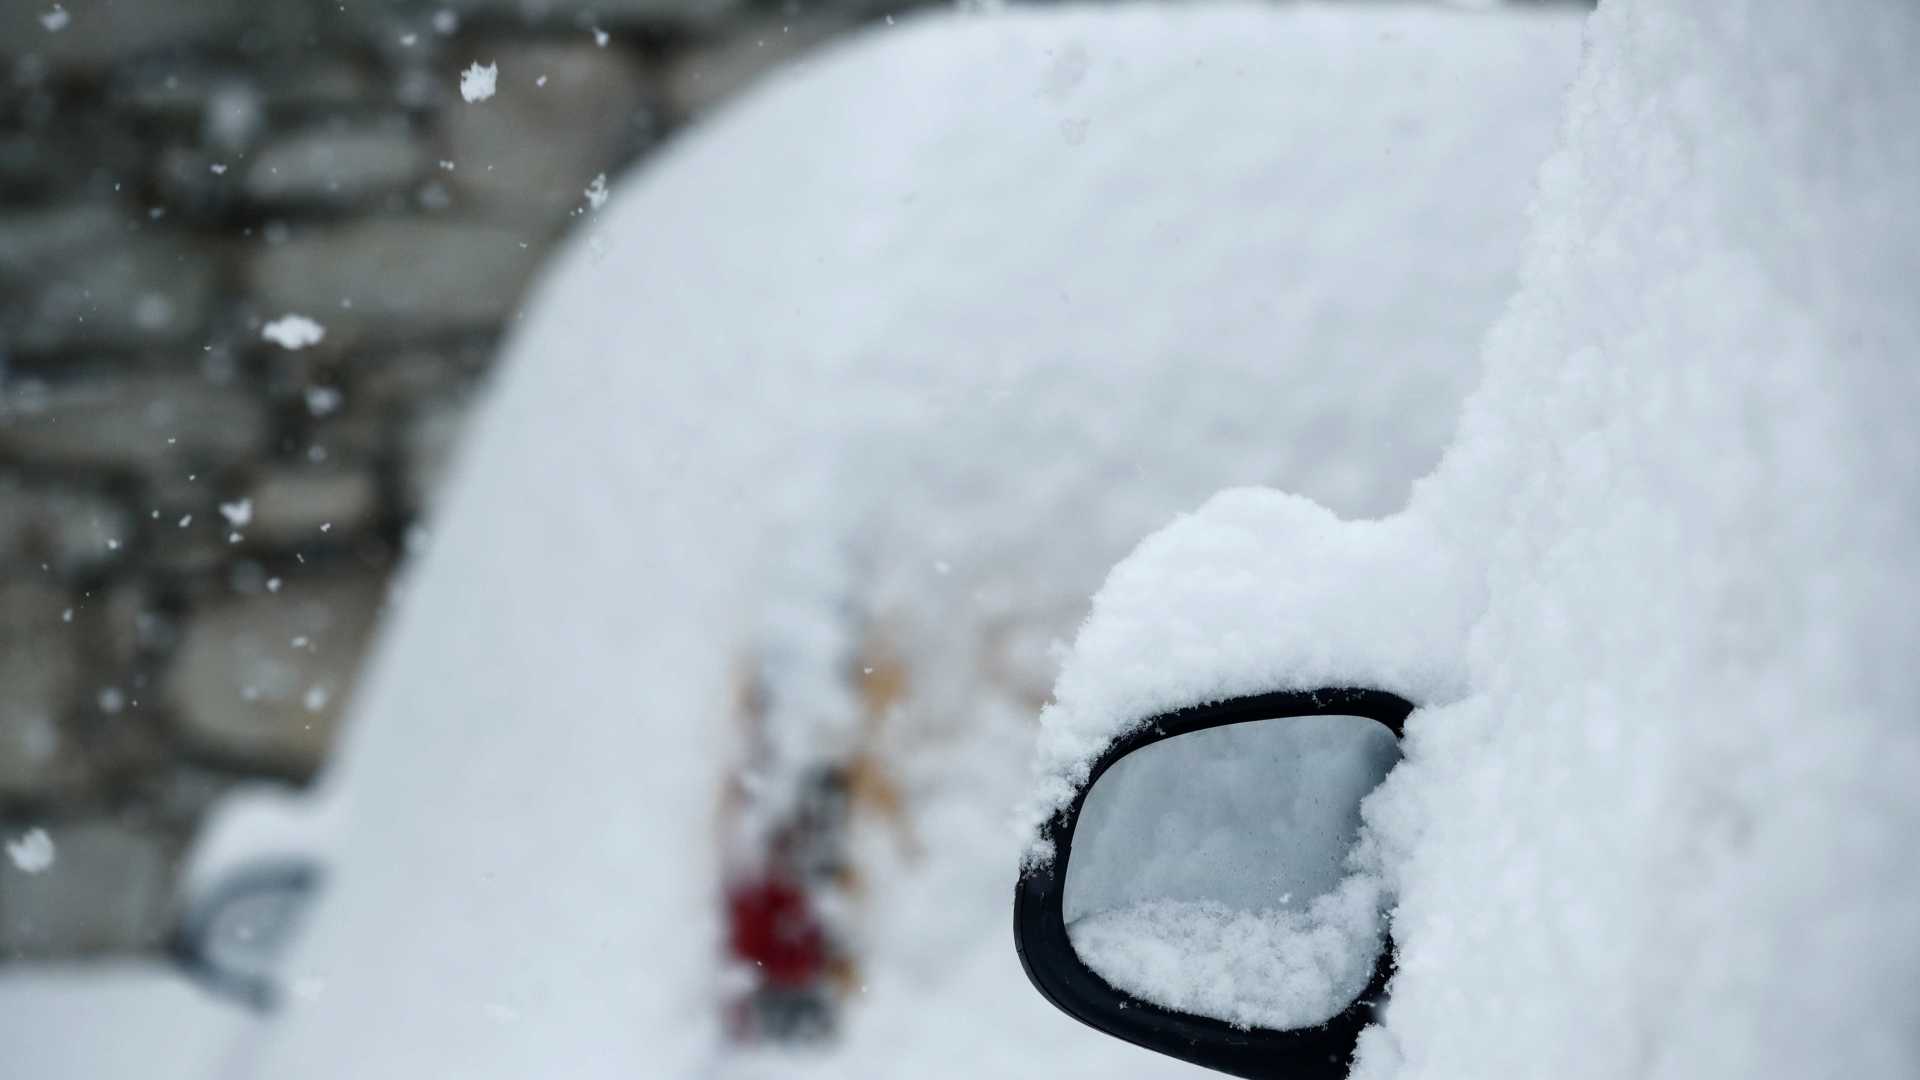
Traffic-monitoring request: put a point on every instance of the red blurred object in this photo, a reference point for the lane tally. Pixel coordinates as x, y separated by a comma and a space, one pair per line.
770, 924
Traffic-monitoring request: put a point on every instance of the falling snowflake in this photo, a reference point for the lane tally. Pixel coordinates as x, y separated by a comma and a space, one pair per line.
32, 852
477, 83
293, 332
323, 400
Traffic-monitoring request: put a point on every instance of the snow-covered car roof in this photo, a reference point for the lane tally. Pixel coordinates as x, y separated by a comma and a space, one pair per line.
937, 325
1659, 591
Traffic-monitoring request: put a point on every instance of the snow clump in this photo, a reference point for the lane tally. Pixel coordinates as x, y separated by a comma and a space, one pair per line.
32, 851
477, 83
293, 332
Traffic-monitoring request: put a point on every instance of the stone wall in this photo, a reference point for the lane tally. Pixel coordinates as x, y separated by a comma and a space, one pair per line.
197, 525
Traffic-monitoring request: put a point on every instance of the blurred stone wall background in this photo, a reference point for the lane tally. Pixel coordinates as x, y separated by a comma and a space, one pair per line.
197, 526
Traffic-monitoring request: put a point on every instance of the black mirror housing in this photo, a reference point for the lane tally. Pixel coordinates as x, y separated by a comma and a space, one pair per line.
1322, 1052
268, 896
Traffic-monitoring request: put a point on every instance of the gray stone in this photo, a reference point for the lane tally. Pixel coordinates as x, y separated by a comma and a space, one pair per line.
103, 32
327, 83
198, 91
700, 78
258, 680
147, 423
190, 537
131, 627
430, 442
108, 889
71, 531
602, 13
180, 796
59, 158
396, 276
194, 551
293, 504
186, 181
324, 165
167, 90
534, 148
417, 374
39, 671
29, 238
27, 164
355, 436
82, 276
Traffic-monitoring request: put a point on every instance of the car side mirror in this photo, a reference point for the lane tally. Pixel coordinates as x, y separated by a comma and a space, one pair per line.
1201, 901
231, 936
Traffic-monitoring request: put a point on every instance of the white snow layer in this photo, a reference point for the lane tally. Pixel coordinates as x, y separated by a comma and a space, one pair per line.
142, 1022
1257, 591
912, 343
1660, 820
1271, 967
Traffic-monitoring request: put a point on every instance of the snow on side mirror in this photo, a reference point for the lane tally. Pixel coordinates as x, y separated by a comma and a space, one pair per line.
1201, 901
231, 937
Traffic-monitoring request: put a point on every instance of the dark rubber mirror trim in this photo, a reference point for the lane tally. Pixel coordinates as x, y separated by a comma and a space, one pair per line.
1040, 935
189, 946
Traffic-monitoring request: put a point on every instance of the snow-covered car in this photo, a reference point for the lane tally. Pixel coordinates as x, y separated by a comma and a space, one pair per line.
819, 435
1646, 630
194, 1012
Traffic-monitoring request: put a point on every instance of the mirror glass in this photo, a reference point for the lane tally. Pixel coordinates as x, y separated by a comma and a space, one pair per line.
1210, 872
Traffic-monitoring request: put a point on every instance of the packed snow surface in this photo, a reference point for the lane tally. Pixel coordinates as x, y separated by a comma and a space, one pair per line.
1659, 820
896, 356
1270, 967
1257, 591
114, 1021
